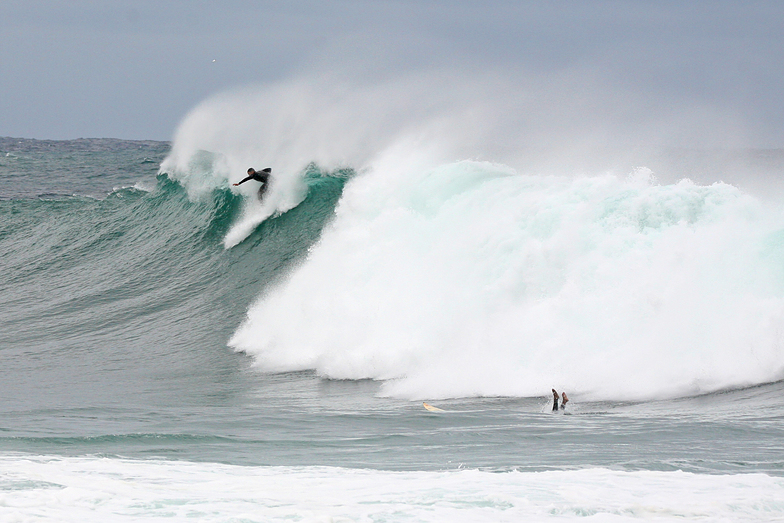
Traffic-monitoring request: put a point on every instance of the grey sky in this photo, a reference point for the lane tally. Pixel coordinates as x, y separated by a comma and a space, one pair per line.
133, 69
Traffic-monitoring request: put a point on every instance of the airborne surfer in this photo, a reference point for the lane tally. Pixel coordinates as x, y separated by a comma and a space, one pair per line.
260, 176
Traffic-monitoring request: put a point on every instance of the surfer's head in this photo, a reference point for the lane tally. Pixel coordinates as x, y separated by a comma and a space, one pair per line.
251, 170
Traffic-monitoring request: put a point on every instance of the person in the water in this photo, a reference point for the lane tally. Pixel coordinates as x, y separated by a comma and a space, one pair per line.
260, 176
555, 401
564, 400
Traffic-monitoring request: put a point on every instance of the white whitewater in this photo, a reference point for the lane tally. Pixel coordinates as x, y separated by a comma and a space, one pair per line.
102, 489
469, 279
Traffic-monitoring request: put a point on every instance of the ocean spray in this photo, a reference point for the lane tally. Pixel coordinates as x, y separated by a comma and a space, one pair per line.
468, 279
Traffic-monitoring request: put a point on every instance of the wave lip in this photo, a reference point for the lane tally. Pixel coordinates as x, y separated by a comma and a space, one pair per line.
471, 280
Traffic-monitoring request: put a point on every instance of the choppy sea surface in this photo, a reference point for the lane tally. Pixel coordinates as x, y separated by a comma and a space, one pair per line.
172, 348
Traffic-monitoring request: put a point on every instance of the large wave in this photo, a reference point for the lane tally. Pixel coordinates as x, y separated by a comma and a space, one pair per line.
454, 277
469, 279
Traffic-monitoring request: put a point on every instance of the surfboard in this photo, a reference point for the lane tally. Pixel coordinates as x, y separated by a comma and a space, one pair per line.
431, 408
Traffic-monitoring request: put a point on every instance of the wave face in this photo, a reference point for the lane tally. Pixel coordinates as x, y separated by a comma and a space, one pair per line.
107, 292
469, 279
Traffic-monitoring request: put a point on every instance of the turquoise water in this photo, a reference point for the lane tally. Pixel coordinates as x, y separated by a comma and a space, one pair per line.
119, 355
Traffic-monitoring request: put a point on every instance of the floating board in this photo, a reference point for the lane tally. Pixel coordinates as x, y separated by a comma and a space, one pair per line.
431, 408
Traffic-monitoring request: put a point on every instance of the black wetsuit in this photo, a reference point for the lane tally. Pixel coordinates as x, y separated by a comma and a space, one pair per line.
555, 402
260, 176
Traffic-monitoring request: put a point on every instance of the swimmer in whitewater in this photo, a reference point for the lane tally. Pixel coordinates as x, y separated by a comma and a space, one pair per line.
260, 176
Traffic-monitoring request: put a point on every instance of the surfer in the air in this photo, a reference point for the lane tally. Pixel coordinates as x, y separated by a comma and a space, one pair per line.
260, 176
555, 400
564, 400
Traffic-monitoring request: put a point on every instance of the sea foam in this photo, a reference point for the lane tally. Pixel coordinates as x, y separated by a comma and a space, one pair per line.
469, 279
103, 489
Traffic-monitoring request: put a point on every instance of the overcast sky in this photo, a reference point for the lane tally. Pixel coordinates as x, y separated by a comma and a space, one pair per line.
133, 69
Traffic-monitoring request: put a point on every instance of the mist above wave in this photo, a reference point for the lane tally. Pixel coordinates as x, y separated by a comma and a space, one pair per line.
550, 123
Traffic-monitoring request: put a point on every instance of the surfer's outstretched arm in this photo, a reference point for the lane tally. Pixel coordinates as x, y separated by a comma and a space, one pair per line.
243, 181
